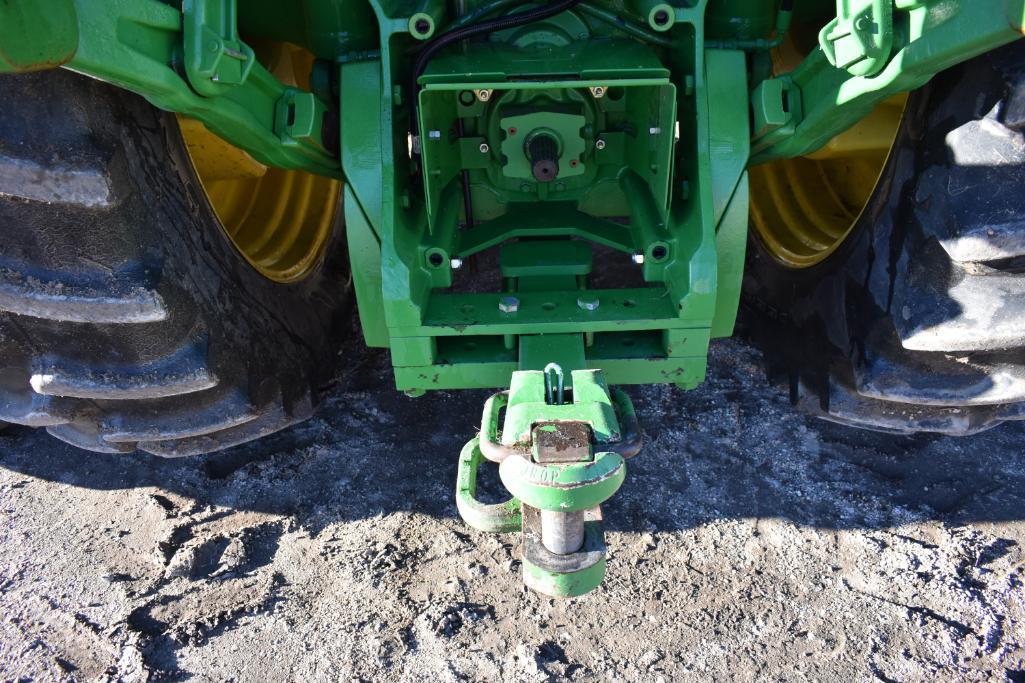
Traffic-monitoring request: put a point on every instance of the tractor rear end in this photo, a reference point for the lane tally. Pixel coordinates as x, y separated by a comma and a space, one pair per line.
606, 156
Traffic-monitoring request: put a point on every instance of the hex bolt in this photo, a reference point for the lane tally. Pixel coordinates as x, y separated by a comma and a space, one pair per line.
588, 304
456, 263
638, 259
599, 145
482, 95
484, 148
598, 91
562, 532
508, 304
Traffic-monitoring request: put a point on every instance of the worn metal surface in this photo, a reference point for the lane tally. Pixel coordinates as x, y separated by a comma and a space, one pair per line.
553, 460
562, 575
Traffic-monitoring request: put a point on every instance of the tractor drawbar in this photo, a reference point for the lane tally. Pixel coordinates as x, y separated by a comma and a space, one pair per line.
561, 454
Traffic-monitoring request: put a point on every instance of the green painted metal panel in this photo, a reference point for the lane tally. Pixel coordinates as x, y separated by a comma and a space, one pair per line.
363, 140
729, 142
731, 240
36, 35
365, 255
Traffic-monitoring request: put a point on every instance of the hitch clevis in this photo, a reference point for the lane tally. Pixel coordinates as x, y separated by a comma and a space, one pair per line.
561, 454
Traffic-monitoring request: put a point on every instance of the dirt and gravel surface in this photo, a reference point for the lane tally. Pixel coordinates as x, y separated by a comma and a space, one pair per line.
749, 543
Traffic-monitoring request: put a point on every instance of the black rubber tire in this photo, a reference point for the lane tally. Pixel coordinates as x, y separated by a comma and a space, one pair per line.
917, 322
127, 318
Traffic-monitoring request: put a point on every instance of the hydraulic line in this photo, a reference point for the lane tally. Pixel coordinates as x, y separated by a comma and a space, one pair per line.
465, 33
475, 30
590, 9
630, 28
640, 32
484, 11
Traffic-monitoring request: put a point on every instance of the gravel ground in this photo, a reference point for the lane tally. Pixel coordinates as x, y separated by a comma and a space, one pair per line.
749, 543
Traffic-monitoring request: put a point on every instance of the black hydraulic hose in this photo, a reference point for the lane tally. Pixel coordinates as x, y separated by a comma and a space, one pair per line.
484, 28
484, 11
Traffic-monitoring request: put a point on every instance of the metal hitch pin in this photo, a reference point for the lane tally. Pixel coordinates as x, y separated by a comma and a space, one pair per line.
550, 391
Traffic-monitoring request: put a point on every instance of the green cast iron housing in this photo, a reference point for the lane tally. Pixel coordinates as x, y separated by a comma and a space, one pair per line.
637, 175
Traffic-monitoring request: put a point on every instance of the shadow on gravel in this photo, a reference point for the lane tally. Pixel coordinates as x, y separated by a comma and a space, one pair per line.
734, 448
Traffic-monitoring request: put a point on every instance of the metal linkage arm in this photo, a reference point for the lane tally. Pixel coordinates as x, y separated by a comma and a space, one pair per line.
856, 67
146, 46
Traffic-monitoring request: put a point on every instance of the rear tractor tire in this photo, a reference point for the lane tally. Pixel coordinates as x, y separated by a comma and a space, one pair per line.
916, 321
129, 317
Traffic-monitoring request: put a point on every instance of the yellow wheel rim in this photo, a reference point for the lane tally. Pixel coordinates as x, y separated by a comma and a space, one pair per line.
803, 209
279, 220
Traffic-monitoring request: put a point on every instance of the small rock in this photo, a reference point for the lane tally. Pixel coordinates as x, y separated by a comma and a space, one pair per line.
650, 659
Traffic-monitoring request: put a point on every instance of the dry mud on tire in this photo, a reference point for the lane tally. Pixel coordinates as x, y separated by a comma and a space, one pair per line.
748, 543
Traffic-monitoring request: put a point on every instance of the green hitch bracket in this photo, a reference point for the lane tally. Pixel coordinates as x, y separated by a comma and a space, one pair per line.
216, 59
560, 461
860, 39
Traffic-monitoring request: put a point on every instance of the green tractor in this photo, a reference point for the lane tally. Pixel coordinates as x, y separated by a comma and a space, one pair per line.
548, 199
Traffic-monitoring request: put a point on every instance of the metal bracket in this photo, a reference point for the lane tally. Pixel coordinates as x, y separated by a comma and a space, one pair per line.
496, 518
860, 39
216, 60
299, 119
560, 466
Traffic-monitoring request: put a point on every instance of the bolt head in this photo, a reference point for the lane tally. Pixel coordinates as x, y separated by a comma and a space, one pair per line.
599, 145
508, 304
456, 263
482, 95
598, 91
587, 304
484, 148
638, 259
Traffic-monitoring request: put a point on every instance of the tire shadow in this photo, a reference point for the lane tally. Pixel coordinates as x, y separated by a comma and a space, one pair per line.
733, 448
